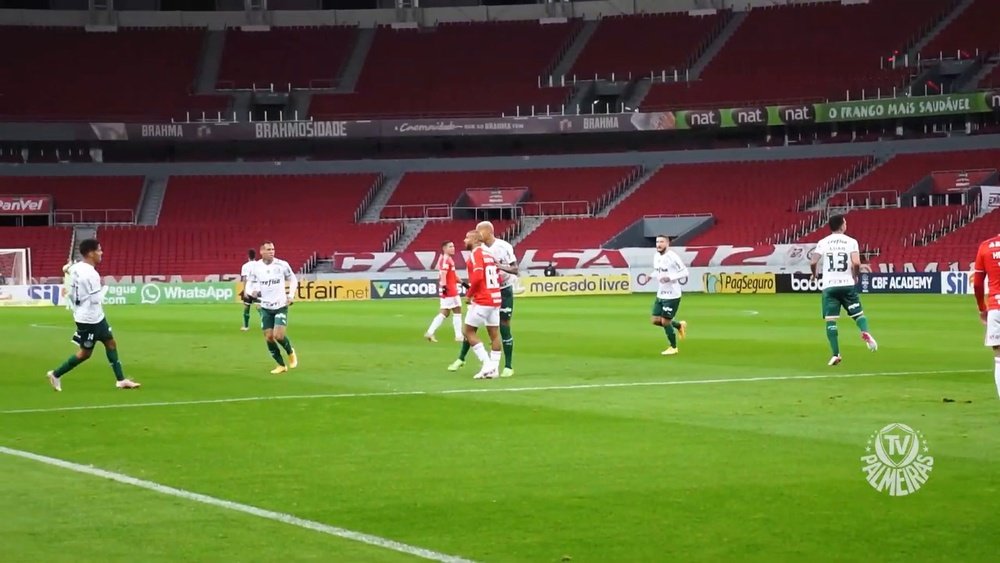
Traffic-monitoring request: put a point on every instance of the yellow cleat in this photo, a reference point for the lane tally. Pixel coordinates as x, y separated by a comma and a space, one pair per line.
683, 329
670, 352
279, 370
293, 359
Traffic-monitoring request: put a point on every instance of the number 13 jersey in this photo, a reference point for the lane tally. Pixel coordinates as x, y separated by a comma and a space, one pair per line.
835, 257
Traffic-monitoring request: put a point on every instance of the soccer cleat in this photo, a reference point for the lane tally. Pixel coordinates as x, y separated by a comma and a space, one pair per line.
127, 384
54, 381
683, 329
430, 337
870, 341
279, 370
670, 352
834, 361
456, 365
507, 372
459, 338
244, 328
293, 359
486, 373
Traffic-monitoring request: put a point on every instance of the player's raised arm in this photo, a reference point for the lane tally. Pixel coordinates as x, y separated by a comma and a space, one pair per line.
979, 280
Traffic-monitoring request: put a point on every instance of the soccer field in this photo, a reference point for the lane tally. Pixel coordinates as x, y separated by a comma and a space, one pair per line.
744, 446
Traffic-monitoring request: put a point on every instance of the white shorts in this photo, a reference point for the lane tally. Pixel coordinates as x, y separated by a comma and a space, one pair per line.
451, 302
993, 328
479, 315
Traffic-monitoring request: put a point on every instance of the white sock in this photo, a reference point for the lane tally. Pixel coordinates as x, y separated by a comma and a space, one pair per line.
456, 321
480, 351
494, 359
996, 373
436, 323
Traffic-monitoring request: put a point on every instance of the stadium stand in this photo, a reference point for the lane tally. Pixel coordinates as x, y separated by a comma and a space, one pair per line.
208, 222
492, 68
960, 244
142, 75
887, 182
82, 199
307, 57
747, 202
777, 55
634, 45
436, 232
49, 247
974, 29
553, 191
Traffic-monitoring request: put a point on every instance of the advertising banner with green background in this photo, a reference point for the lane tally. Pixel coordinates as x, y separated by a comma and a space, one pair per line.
898, 108
167, 293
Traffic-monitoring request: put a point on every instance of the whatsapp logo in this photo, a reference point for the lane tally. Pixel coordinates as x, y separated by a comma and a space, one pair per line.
150, 294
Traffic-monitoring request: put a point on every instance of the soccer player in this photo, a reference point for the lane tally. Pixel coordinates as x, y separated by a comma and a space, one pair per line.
841, 267
67, 282
450, 302
988, 267
266, 284
506, 263
484, 305
669, 272
244, 275
87, 299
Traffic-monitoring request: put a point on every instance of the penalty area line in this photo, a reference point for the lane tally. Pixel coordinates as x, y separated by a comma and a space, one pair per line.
579, 386
281, 517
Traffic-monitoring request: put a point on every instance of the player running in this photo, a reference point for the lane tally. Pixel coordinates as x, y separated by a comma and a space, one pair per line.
506, 262
841, 268
484, 305
988, 267
86, 297
450, 301
669, 272
266, 284
244, 275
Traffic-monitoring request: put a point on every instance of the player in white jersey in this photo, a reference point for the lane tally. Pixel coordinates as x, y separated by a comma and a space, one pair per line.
841, 267
244, 275
86, 297
67, 282
503, 254
266, 285
669, 272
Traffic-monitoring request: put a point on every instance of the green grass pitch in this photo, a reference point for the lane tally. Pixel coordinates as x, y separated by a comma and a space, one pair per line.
566, 465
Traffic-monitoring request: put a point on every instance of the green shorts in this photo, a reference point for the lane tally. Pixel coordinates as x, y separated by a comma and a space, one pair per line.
270, 318
506, 303
846, 297
88, 335
666, 308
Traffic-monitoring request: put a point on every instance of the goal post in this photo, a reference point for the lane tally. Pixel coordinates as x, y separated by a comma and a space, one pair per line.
15, 266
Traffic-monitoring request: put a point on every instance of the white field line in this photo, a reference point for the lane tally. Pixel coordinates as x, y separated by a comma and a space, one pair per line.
344, 533
486, 390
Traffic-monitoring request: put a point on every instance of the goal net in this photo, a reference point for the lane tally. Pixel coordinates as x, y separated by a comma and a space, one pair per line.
14, 266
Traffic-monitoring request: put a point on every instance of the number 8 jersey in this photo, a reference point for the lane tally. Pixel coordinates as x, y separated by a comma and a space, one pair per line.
484, 278
835, 255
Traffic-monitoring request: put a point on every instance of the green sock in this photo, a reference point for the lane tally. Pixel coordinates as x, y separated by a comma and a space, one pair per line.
862, 322
832, 335
675, 324
671, 335
246, 317
286, 344
272, 347
464, 351
68, 365
116, 366
507, 339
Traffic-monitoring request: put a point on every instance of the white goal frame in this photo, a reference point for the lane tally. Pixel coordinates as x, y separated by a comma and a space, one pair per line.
22, 258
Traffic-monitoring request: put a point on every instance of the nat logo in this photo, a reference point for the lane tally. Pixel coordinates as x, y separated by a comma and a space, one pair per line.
796, 114
993, 100
749, 117
707, 119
